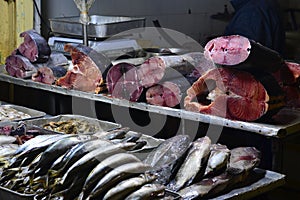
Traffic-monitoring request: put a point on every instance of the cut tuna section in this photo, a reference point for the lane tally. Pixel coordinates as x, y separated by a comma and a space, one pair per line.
88, 66
163, 68
240, 52
229, 93
168, 93
123, 82
19, 66
34, 47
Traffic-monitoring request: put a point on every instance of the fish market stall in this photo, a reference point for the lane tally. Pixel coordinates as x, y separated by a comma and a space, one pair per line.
138, 153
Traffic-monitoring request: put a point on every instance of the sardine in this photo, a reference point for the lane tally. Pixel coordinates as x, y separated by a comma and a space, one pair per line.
148, 191
124, 188
193, 164
218, 158
104, 167
88, 162
117, 175
166, 157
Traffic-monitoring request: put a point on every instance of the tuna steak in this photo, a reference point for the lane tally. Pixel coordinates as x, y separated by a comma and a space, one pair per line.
123, 82
34, 47
19, 66
240, 52
86, 74
229, 93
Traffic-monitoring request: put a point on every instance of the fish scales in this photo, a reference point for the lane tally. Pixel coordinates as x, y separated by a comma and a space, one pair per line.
193, 163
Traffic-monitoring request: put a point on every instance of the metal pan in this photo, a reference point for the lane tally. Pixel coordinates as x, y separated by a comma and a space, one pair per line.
93, 124
33, 113
99, 26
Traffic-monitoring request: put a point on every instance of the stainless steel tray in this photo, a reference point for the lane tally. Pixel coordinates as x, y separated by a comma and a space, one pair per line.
33, 113
270, 181
99, 26
94, 124
290, 124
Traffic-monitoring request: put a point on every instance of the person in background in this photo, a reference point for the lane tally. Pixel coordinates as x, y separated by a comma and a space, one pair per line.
259, 20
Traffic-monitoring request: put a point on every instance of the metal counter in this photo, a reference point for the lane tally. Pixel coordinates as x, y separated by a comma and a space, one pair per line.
290, 118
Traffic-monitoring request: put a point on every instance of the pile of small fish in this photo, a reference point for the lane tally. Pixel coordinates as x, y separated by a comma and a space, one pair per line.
10, 114
71, 126
106, 165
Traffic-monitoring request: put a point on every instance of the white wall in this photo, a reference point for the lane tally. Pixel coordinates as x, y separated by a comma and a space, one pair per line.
191, 17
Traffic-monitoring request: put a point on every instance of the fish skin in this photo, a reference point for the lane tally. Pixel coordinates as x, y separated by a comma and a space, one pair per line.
104, 167
117, 175
33, 150
205, 187
54, 151
193, 164
77, 152
37, 139
148, 191
218, 158
114, 134
167, 156
8, 149
88, 162
243, 159
6, 139
124, 188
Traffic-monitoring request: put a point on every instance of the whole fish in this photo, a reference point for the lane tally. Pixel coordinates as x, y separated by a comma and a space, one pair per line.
117, 175
166, 157
218, 158
114, 134
54, 151
131, 137
76, 152
242, 161
104, 167
124, 188
8, 149
31, 151
88, 162
6, 139
148, 191
205, 187
193, 164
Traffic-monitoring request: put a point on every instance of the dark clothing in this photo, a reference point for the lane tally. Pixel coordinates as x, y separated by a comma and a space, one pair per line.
258, 20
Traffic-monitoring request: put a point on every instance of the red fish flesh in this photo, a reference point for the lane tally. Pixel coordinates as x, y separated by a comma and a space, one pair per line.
229, 93
34, 47
240, 52
123, 82
19, 66
86, 74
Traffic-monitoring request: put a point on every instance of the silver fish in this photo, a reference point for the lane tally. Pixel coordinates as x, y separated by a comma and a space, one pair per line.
148, 191
124, 188
104, 167
8, 149
88, 162
6, 139
193, 164
166, 157
218, 158
117, 175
